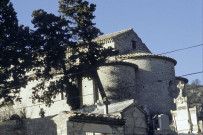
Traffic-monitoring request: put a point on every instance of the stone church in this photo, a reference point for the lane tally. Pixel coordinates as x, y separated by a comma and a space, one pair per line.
138, 83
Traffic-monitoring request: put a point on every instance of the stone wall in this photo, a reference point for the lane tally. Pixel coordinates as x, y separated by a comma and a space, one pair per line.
60, 124
155, 82
118, 81
123, 43
75, 128
136, 123
88, 91
29, 110
8, 128
152, 85
32, 109
40, 126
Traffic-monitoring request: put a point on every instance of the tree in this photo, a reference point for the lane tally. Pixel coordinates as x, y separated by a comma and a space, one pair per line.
90, 54
196, 82
194, 92
52, 36
43, 51
14, 53
75, 30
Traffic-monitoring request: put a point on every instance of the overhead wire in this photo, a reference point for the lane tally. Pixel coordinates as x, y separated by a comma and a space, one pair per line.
192, 73
182, 49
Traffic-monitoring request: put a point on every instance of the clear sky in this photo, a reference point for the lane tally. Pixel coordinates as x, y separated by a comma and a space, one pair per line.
163, 25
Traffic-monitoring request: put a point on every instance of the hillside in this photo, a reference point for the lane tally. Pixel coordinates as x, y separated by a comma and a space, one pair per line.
194, 93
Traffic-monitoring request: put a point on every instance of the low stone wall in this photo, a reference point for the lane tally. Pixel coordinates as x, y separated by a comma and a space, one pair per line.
75, 128
61, 124
40, 126
8, 128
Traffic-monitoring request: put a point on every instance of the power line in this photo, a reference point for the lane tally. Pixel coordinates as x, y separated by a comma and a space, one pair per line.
192, 73
181, 49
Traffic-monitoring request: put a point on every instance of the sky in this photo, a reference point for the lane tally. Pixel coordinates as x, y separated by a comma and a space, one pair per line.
163, 25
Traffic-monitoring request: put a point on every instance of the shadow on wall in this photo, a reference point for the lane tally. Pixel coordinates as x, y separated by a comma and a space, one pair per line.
118, 81
39, 126
120, 94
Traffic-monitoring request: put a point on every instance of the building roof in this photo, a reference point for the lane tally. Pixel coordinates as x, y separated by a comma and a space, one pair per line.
145, 55
96, 118
135, 53
182, 79
110, 63
118, 107
113, 35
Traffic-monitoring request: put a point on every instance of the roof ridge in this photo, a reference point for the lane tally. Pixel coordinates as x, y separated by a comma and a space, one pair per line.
139, 55
102, 37
122, 31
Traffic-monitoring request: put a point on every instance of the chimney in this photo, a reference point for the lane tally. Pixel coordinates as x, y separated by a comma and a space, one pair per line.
106, 109
106, 103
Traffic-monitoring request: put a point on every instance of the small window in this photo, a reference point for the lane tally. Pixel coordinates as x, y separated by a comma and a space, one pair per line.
133, 44
62, 96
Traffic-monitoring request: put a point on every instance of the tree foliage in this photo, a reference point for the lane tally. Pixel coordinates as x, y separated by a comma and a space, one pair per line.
74, 30
60, 46
194, 93
14, 53
90, 54
52, 36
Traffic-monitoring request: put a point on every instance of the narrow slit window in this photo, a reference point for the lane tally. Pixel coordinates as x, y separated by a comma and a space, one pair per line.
62, 96
134, 44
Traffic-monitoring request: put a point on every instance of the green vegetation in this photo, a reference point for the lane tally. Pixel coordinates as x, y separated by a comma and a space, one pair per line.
15, 53
194, 93
43, 51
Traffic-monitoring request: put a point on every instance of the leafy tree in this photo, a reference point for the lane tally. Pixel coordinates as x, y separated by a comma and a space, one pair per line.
14, 53
44, 51
194, 85
75, 30
53, 37
194, 92
195, 82
90, 54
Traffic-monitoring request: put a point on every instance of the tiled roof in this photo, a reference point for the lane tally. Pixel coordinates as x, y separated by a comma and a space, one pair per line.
112, 35
96, 118
120, 63
141, 55
135, 51
117, 107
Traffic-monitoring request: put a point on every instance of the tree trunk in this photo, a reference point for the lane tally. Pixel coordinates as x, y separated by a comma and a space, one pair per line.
100, 86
